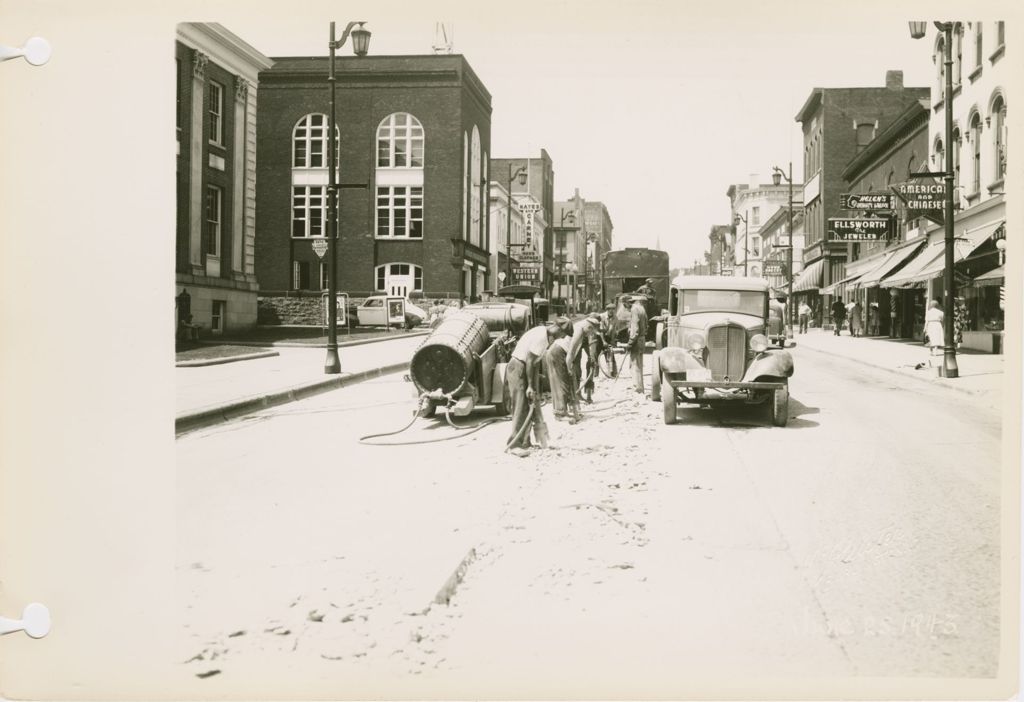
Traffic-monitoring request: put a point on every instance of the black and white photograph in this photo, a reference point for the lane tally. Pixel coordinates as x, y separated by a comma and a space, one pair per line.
542, 350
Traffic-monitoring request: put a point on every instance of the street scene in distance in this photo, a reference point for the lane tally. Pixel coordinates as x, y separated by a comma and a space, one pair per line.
443, 429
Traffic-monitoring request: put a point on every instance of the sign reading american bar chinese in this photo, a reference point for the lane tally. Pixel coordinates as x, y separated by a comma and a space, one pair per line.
866, 229
922, 196
867, 201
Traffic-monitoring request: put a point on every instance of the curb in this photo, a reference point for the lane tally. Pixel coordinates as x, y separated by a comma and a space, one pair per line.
298, 345
895, 371
225, 359
236, 408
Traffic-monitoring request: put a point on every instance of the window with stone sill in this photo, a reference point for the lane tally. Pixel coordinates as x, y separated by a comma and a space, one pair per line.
399, 212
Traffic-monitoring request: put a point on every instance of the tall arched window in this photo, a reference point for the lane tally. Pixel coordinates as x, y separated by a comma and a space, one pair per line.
400, 154
399, 278
998, 113
978, 45
939, 58
911, 165
956, 147
976, 145
309, 175
938, 154
309, 142
958, 53
400, 142
474, 187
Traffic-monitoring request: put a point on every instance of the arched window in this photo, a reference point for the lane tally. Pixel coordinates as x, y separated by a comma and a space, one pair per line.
975, 126
956, 147
938, 154
939, 58
399, 278
958, 53
309, 142
474, 187
911, 165
998, 113
978, 45
400, 142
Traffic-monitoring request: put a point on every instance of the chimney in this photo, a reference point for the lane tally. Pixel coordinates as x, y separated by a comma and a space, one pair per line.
894, 80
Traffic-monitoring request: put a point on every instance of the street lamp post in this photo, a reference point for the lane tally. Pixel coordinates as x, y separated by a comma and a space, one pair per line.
949, 366
562, 278
736, 220
521, 175
360, 45
778, 175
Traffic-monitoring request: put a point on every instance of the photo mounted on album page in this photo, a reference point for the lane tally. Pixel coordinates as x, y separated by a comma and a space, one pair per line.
566, 350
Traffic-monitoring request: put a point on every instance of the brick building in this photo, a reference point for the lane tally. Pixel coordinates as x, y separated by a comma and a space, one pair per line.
216, 168
839, 123
414, 142
539, 190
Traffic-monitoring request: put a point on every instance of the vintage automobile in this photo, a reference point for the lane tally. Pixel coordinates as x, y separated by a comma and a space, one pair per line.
717, 350
374, 312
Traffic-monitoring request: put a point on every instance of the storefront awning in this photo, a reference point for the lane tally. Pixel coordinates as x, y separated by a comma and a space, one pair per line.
996, 276
839, 287
911, 273
810, 278
873, 277
963, 246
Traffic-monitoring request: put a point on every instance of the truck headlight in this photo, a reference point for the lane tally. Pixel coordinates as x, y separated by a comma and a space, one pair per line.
695, 342
758, 343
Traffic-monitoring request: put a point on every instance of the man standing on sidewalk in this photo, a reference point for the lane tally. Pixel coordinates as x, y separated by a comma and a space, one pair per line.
523, 376
838, 315
804, 311
637, 341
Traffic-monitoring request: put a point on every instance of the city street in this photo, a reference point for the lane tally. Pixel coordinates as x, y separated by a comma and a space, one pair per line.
629, 559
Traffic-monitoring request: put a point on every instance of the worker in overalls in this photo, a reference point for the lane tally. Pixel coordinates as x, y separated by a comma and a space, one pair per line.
523, 376
586, 333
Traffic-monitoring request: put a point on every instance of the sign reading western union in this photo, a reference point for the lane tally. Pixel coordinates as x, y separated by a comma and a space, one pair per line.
922, 196
867, 229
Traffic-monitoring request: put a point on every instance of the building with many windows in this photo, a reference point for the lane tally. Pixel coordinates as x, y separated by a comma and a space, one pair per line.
599, 228
413, 136
751, 205
839, 123
215, 266
540, 189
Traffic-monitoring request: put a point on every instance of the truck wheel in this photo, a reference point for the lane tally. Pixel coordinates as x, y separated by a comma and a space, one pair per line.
780, 406
668, 403
655, 378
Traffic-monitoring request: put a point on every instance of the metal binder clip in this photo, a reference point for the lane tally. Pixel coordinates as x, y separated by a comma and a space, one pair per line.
35, 621
36, 51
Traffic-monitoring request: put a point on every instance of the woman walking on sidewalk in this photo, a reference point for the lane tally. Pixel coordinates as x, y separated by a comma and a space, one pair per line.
933, 333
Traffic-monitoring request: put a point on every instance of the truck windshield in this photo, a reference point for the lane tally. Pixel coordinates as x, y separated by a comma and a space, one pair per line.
742, 301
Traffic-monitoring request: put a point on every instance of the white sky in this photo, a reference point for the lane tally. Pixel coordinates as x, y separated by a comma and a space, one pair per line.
655, 109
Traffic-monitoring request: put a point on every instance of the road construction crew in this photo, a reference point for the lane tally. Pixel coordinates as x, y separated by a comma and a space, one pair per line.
585, 333
637, 341
523, 375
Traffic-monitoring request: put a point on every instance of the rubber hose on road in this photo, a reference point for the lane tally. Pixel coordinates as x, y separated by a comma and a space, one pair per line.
468, 430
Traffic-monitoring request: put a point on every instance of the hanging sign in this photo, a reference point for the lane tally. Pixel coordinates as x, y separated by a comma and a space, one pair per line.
842, 230
867, 201
922, 196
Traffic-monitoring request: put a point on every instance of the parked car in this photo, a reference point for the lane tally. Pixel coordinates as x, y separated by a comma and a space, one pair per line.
373, 312
717, 349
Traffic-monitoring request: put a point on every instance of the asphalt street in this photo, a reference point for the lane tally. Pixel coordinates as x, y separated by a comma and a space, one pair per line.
630, 559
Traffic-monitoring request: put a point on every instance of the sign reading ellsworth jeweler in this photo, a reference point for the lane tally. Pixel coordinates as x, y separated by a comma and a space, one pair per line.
865, 229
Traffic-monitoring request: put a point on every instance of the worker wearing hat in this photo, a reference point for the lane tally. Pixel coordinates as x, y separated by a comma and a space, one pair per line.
586, 334
637, 340
523, 377
647, 289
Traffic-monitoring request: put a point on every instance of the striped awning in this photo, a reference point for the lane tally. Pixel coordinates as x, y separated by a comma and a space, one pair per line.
838, 288
873, 277
911, 273
810, 278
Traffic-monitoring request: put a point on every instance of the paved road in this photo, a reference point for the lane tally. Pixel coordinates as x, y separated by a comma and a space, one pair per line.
631, 559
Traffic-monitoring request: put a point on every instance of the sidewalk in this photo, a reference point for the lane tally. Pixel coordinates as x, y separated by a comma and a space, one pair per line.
980, 373
213, 393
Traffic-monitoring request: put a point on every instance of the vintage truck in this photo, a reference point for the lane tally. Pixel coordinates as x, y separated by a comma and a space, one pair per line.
717, 349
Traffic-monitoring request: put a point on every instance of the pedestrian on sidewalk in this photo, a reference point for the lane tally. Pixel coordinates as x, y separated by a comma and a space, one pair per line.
873, 319
638, 341
934, 334
856, 319
523, 375
804, 312
838, 315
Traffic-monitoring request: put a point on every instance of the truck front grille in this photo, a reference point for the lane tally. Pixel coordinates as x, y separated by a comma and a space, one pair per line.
727, 351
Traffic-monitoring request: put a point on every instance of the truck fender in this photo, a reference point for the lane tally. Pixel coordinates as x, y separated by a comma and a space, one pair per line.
676, 360
659, 334
775, 364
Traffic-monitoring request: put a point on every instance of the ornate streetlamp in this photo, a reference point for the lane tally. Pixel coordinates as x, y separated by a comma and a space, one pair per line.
949, 365
737, 218
360, 45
